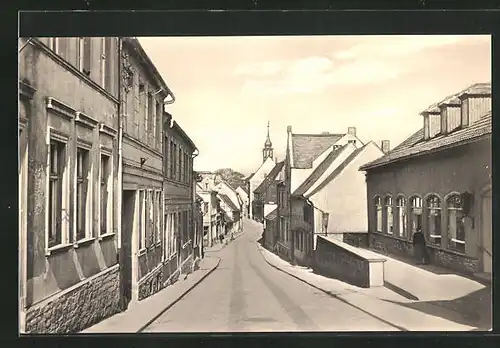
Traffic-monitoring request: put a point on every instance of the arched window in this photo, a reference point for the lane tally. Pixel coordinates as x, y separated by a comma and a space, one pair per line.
378, 214
389, 220
415, 214
456, 230
402, 216
434, 219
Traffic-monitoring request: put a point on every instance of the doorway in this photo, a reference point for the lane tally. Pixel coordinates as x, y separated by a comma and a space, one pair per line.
486, 239
128, 206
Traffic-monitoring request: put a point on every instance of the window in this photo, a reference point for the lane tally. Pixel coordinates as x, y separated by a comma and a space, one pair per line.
205, 207
105, 216
141, 225
389, 219
434, 219
57, 164
82, 196
171, 160
352, 142
150, 228
181, 165
107, 68
158, 216
206, 186
378, 214
178, 164
85, 55
402, 216
159, 121
456, 230
149, 119
415, 214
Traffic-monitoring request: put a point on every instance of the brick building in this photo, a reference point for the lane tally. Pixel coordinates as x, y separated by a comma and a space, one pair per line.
68, 179
439, 179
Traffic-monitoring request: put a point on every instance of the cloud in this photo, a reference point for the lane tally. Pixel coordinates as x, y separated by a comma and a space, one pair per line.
370, 60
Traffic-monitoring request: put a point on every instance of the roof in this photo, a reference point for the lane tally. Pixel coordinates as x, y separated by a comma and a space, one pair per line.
478, 129
174, 125
454, 99
318, 172
228, 201
307, 147
269, 178
272, 215
338, 170
244, 189
136, 46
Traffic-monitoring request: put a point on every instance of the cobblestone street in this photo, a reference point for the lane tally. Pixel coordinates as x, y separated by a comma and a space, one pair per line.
246, 294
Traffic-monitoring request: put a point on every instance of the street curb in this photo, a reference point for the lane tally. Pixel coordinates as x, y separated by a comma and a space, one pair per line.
179, 298
330, 293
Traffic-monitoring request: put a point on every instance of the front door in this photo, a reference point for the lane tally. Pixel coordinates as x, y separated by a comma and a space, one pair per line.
128, 206
486, 218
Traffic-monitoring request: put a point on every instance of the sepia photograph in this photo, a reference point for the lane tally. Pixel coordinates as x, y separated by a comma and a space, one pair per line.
224, 184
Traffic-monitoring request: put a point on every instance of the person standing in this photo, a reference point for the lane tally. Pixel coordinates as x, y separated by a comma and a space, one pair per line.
419, 249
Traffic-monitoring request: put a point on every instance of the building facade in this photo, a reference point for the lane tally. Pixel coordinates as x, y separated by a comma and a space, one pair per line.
265, 195
180, 205
69, 222
212, 217
143, 93
438, 180
244, 198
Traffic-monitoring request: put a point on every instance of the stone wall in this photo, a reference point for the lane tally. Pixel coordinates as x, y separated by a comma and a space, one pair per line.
151, 285
445, 258
78, 308
333, 261
359, 240
283, 251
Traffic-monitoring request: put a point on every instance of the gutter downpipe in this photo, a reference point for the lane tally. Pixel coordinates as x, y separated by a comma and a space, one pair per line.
193, 204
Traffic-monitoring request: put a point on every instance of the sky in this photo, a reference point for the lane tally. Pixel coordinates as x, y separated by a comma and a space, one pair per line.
228, 88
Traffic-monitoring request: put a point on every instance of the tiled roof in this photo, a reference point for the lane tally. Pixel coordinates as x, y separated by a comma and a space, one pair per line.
307, 147
318, 172
269, 178
338, 170
478, 129
228, 202
272, 215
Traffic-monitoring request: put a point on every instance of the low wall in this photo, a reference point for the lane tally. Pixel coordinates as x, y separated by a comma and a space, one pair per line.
359, 240
79, 307
341, 261
283, 251
390, 245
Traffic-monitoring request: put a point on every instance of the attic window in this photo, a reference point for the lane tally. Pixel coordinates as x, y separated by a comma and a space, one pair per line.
352, 142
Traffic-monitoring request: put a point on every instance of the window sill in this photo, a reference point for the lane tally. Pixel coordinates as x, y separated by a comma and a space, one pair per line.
142, 252
57, 249
106, 236
83, 242
450, 251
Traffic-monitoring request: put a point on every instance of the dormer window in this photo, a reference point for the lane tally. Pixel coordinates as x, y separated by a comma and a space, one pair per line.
433, 124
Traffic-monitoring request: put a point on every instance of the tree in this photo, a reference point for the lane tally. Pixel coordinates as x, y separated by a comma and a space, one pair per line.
230, 176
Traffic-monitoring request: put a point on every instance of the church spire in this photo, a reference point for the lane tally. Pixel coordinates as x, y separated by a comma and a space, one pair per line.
267, 151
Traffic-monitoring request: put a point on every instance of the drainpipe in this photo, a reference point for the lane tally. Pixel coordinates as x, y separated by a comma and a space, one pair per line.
121, 256
194, 222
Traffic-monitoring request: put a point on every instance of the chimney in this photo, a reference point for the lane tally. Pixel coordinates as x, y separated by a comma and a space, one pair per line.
351, 131
386, 146
289, 129
325, 133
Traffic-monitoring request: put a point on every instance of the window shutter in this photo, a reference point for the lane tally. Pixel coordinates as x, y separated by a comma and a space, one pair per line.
87, 54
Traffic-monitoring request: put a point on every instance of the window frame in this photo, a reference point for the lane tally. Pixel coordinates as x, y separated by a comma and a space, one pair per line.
378, 213
62, 202
412, 207
84, 181
386, 207
434, 239
451, 240
402, 214
141, 214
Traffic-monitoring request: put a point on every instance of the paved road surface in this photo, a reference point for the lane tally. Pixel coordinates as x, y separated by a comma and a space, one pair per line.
246, 294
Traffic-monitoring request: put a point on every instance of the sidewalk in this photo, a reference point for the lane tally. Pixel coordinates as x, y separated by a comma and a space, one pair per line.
140, 314
386, 305
219, 246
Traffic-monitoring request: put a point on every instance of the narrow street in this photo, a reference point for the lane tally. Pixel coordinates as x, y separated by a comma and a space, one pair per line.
246, 294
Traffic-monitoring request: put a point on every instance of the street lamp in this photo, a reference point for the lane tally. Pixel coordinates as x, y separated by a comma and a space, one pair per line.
325, 222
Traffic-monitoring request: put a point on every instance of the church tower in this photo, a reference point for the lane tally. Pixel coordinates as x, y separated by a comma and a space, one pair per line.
267, 151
